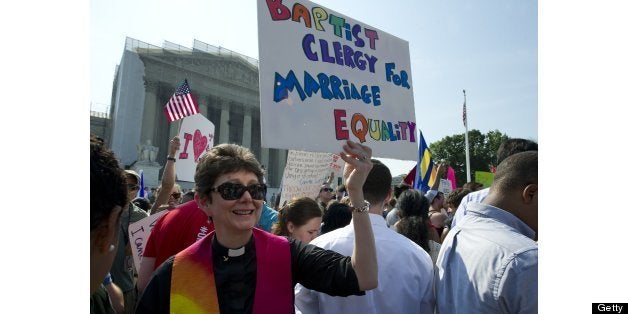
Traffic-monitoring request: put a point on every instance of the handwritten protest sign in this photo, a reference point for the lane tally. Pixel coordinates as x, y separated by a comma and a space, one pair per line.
138, 235
197, 137
306, 171
326, 78
445, 186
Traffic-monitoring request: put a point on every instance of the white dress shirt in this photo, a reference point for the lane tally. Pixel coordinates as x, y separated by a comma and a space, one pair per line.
405, 276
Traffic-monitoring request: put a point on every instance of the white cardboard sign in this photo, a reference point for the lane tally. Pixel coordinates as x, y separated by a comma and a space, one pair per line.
306, 171
197, 137
326, 78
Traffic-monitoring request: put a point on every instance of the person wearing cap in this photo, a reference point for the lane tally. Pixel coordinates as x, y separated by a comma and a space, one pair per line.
325, 194
123, 270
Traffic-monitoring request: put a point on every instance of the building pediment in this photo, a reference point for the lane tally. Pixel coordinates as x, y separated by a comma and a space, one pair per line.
232, 69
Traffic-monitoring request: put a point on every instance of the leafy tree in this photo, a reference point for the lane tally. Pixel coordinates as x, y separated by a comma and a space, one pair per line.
482, 152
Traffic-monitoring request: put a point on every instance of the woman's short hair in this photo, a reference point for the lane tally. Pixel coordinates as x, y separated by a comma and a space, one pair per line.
223, 159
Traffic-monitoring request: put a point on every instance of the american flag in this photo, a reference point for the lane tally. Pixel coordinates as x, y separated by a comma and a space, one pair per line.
181, 104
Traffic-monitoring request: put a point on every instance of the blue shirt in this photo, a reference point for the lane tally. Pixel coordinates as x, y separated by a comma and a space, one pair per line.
488, 263
473, 197
267, 218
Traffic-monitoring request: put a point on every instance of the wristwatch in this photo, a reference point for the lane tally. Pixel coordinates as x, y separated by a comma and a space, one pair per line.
361, 209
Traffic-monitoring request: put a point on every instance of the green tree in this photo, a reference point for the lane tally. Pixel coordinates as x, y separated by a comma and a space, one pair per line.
482, 152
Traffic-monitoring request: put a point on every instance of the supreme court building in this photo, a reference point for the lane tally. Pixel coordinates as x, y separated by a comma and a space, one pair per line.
225, 85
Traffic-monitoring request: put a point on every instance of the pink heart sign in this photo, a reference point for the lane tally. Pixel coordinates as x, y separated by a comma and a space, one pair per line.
200, 143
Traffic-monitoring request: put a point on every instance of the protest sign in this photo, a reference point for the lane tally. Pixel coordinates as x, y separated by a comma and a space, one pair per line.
326, 78
305, 172
197, 137
138, 235
445, 186
484, 177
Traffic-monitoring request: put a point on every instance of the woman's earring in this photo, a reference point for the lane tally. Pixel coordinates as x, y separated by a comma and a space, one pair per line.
112, 248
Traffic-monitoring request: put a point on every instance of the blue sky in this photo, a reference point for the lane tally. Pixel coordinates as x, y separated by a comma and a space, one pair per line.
487, 47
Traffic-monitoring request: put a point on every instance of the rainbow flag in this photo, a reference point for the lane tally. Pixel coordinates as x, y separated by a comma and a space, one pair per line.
424, 178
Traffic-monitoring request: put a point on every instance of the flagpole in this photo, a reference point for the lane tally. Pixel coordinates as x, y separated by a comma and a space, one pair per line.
466, 136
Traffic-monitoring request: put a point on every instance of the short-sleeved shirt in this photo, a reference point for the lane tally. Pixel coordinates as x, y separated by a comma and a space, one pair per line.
176, 230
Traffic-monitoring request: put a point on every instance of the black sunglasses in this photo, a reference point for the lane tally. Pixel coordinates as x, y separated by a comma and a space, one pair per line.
233, 191
175, 195
327, 189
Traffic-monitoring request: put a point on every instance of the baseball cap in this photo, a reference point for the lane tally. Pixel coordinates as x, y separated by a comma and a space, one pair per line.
430, 195
131, 172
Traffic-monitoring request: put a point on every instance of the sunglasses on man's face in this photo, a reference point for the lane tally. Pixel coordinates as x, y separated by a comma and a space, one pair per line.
233, 191
327, 189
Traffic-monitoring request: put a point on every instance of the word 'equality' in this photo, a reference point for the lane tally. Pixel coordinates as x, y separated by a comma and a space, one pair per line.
378, 130
279, 12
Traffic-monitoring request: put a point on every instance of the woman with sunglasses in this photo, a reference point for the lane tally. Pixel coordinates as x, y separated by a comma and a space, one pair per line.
238, 268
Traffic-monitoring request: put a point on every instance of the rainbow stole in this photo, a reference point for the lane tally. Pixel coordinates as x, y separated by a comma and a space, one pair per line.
193, 286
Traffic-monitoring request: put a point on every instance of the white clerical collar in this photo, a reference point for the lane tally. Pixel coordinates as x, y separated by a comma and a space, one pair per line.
236, 252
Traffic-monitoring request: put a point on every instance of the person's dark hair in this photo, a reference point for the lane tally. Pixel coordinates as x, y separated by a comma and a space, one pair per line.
512, 146
412, 203
378, 181
337, 216
222, 159
472, 186
107, 183
415, 229
341, 188
455, 197
392, 203
516, 171
141, 203
298, 211
400, 188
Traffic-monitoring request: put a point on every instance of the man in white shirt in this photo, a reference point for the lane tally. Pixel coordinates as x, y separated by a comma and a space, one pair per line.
405, 270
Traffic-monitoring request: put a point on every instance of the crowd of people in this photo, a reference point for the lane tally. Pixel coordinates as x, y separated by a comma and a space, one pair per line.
361, 247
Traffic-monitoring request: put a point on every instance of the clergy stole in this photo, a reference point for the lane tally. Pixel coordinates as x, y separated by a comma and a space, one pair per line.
193, 287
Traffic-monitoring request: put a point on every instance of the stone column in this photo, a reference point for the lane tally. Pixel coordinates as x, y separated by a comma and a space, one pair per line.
203, 104
264, 157
246, 132
282, 156
149, 114
224, 121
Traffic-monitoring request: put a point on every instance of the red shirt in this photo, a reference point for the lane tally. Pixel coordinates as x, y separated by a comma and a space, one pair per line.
176, 230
